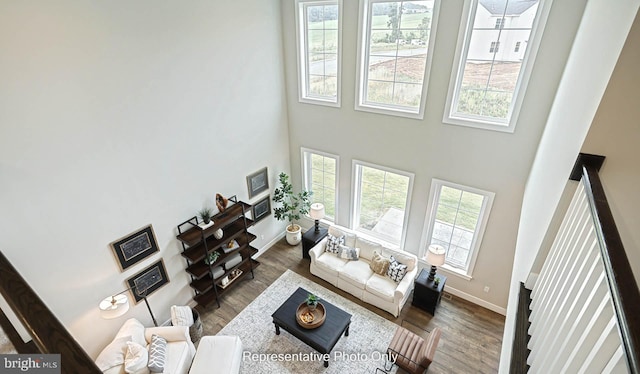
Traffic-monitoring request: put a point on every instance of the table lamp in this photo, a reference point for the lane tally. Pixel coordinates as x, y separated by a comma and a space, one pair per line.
436, 257
316, 213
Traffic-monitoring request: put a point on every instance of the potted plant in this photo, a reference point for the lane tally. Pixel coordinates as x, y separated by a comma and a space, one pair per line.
312, 301
436, 282
293, 207
205, 214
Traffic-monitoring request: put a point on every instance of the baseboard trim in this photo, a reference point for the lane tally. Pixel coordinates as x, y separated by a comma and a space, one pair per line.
476, 300
270, 244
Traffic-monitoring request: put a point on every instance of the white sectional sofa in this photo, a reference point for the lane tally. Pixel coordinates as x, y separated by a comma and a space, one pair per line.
357, 278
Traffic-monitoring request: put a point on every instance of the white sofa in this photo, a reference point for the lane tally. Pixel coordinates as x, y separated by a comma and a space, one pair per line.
219, 354
357, 278
179, 351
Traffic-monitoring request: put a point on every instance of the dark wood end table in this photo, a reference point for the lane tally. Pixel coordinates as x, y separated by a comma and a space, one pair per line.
310, 239
425, 295
322, 338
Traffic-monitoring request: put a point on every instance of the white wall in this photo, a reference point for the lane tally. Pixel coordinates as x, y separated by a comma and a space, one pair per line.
118, 114
615, 133
598, 43
493, 161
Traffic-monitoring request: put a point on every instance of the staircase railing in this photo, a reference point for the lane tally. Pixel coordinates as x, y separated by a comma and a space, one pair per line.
585, 305
48, 333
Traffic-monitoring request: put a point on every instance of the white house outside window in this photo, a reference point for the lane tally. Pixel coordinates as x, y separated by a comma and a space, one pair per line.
456, 219
319, 171
396, 40
319, 49
488, 84
381, 202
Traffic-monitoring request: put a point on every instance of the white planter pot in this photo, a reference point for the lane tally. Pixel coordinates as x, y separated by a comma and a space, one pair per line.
294, 235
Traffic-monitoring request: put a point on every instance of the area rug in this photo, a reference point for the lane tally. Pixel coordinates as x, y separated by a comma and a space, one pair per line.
265, 352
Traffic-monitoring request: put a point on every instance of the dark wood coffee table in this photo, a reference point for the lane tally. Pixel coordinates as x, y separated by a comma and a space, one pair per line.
322, 338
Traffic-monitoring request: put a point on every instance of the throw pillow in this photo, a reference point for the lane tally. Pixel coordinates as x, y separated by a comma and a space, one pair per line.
379, 264
348, 253
113, 354
181, 316
333, 243
136, 358
396, 270
157, 354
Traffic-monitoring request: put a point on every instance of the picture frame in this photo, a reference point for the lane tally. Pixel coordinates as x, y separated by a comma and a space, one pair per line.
261, 209
257, 182
148, 280
133, 248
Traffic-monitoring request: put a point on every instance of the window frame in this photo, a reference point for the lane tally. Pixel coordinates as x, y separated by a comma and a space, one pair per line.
432, 209
302, 54
462, 48
357, 197
306, 174
364, 32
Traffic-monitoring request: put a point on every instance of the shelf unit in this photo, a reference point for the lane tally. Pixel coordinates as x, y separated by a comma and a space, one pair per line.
198, 243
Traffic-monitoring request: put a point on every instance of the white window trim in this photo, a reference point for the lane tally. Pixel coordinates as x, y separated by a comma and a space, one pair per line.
427, 231
305, 176
356, 202
301, 50
363, 37
464, 34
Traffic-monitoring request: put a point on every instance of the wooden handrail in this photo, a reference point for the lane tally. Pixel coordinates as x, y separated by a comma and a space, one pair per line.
622, 284
47, 332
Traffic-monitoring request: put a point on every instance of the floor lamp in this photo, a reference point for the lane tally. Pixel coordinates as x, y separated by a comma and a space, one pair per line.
117, 305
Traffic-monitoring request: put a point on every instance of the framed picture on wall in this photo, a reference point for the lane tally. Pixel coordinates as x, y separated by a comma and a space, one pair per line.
261, 209
135, 247
258, 182
148, 280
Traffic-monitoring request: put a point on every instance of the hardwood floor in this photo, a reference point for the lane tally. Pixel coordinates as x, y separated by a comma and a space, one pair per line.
471, 335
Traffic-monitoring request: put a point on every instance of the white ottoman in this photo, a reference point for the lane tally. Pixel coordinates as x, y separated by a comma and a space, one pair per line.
222, 354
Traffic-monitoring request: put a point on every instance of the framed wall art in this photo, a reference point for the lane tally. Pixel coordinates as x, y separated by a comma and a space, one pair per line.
148, 280
135, 247
261, 209
258, 182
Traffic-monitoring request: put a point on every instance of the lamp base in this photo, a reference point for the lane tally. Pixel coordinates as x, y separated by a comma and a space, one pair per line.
432, 273
317, 229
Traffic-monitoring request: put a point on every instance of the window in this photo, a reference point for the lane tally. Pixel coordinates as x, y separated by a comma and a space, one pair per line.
487, 87
456, 219
319, 171
319, 49
381, 202
517, 48
395, 55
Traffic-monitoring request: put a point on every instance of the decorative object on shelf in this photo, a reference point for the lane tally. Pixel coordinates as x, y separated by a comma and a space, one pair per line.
231, 246
316, 213
436, 257
257, 182
211, 257
149, 279
205, 214
312, 301
218, 234
293, 207
261, 209
117, 305
221, 202
436, 282
134, 247
226, 281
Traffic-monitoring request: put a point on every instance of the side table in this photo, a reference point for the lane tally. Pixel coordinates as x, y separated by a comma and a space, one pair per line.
425, 295
310, 239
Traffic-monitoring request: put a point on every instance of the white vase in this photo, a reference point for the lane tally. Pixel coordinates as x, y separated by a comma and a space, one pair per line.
294, 234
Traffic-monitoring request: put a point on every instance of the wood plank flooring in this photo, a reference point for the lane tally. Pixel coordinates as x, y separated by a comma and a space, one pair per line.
471, 335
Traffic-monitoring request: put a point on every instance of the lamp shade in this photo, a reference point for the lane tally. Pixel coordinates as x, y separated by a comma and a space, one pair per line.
435, 255
316, 211
114, 306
